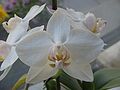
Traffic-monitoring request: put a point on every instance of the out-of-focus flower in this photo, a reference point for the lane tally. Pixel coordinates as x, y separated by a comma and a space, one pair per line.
59, 48
26, 1
3, 14
96, 25
17, 27
9, 4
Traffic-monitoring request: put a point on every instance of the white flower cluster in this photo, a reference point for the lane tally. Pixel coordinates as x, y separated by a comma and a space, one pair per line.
70, 43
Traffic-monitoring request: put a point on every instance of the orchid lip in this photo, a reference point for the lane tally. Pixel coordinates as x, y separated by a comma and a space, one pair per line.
59, 54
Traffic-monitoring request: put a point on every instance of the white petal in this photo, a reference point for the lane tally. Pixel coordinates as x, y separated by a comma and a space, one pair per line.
39, 86
5, 72
90, 21
79, 71
19, 31
58, 26
84, 46
34, 48
4, 49
35, 10
10, 59
36, 75
12, 23
36, 29
76, 16
50, 10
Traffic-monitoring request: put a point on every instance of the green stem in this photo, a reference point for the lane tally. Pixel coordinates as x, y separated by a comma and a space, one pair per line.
27, 86
58, 83
79, 82
88, 85
54, 4
46, 82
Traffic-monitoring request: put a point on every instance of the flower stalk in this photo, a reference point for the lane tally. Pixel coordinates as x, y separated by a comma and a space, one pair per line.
58, 83
54, 4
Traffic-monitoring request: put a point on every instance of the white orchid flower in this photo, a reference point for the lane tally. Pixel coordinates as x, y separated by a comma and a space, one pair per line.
16, 27
94, 24
59, 48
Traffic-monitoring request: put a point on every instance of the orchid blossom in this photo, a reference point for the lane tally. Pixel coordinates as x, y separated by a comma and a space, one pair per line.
16, 27
60, 47
96, 25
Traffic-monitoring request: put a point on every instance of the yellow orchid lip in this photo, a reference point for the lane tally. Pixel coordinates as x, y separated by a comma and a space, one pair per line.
59, 53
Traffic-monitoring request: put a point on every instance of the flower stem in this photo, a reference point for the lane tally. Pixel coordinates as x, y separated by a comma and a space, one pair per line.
27, 86
58, 83
54, 4
79, 82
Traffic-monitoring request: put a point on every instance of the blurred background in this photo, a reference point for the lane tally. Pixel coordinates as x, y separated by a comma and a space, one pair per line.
106, 9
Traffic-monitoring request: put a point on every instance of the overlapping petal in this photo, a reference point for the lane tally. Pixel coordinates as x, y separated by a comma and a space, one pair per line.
33, 49
90, 21
36, 29
75, 16
19, 31
81, 72
84, 46
4, 50
35, 10
38, 74
59, 27
10, 59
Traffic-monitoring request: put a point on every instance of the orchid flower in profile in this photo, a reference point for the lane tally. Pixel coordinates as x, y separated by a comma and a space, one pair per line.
16, 27
88, 21
59, 48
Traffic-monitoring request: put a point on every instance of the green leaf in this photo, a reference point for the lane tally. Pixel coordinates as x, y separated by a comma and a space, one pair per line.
88, 85
69, 82
112, 84
104, 76
51, 85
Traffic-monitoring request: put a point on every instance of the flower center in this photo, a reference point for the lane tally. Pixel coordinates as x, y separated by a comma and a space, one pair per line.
60, 55
100, 23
